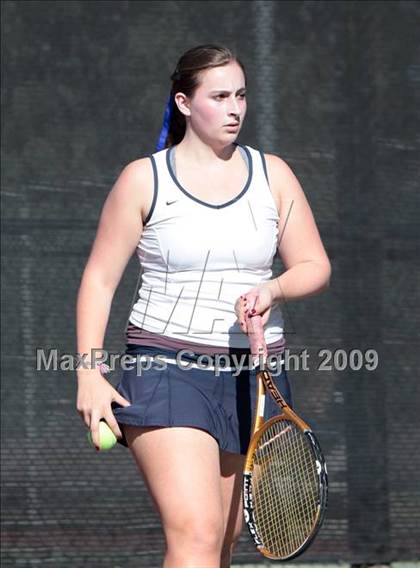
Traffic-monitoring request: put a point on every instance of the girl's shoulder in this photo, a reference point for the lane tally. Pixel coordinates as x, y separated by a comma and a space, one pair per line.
135, 184
282, 180
278, 167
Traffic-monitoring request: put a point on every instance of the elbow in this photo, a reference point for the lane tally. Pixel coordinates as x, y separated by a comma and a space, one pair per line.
321, 274
326, 286
326, 275
93, 278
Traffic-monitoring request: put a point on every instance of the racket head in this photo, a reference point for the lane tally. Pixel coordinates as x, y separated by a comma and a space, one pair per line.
285, 488
285, 483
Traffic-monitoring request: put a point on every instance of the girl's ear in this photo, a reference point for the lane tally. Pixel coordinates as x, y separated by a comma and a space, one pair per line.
183, 103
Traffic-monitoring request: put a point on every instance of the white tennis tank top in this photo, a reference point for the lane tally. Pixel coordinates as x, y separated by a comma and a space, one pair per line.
198, 258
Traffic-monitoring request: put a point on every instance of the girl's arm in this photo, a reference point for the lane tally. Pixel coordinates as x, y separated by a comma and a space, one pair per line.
308, 268
119, 230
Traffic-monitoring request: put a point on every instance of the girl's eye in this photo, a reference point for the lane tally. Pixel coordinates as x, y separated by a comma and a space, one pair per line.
242, 96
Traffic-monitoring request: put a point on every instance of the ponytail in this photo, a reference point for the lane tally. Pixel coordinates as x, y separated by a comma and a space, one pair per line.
161, 144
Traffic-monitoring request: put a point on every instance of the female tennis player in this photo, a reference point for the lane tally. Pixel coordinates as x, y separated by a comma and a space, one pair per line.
205, 215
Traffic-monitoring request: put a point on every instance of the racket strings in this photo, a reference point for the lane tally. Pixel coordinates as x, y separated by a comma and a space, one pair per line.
280, 532
291, 532
285, 488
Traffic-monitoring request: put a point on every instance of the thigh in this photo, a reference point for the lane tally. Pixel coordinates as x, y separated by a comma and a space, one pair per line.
181, 468
231, 466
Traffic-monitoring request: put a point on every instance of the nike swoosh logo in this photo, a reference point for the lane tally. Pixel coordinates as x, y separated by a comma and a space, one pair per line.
170, 202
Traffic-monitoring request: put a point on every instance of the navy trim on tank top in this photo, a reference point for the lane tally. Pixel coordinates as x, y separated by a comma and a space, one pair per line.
155, 190
264, 166
212, 205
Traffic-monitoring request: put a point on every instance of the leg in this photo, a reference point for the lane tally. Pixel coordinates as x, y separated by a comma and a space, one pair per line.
181, 468
231, 480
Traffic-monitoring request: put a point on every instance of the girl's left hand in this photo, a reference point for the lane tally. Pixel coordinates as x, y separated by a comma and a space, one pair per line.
256, 301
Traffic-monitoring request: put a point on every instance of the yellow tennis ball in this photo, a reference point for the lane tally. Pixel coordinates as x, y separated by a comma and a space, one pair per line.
107, 438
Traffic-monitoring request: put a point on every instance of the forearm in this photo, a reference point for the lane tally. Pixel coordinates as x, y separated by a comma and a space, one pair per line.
300, 281
93, 309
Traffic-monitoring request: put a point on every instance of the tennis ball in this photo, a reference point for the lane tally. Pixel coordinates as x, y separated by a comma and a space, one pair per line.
107, 438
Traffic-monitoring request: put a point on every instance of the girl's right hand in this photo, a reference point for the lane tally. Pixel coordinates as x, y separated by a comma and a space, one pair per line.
94, 397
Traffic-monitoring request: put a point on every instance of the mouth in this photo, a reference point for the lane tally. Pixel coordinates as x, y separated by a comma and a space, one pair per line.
233, 125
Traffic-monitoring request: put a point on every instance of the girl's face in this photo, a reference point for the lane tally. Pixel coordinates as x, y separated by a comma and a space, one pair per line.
218, 103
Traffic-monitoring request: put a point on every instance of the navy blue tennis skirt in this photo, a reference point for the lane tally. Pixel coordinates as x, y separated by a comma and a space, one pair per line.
166, 394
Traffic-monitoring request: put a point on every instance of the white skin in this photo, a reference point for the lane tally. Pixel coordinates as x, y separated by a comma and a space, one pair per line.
218, 101
202, 519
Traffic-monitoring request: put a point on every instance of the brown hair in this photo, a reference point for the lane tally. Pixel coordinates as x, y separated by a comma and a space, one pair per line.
185, 79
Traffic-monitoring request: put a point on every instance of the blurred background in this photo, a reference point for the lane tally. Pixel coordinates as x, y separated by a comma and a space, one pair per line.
333, 90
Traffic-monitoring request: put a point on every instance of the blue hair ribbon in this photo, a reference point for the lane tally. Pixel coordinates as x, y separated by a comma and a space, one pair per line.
165, 126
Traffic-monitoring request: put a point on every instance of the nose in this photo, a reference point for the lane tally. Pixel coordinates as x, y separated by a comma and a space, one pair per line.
234, 109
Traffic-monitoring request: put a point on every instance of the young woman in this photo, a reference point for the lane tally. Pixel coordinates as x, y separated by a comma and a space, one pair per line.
205, 215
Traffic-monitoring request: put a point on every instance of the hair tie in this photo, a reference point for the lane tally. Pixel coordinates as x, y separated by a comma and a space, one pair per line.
165, 126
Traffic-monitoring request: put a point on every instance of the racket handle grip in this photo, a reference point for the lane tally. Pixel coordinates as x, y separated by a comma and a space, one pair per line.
256, 338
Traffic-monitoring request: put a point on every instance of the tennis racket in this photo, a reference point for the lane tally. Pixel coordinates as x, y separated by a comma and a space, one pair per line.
285, 479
